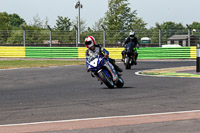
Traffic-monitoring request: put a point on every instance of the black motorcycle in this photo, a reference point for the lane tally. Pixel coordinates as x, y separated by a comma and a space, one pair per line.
129, 52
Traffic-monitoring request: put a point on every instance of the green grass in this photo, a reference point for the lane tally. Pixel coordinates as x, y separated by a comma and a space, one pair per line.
7, 64
172, 72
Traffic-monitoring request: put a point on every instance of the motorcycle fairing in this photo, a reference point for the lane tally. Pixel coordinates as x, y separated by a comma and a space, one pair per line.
96, 63
111, 69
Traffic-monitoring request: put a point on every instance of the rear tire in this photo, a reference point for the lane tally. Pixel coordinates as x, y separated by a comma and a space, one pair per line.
120, 83
106, 80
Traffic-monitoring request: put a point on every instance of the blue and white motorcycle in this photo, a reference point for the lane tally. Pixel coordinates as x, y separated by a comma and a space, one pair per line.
105, 72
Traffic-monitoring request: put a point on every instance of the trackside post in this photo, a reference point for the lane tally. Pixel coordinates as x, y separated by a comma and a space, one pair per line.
198, 59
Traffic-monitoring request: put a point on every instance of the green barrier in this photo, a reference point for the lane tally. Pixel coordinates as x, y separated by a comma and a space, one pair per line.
149, 53
164, 53
51, 52
115, 53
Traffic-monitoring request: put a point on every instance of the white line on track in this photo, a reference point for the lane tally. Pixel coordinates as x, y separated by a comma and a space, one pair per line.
99, 118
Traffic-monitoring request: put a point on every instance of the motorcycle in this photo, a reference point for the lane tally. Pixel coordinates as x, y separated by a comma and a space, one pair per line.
105, 72
129, 55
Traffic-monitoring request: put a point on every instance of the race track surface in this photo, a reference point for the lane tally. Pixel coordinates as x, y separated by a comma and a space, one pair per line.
69, 92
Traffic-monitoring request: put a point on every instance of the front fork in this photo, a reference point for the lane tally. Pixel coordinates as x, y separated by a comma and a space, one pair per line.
111, 69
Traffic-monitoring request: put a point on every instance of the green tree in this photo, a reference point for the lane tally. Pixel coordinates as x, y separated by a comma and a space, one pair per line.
195, 25
46, 21
15, 20
83, 25
118, 18
5, 27
154, 35
195, 28
83, 28
4, 21
33, 33
119, 15
138, 24
37, 22
171, 28
63, 24
167, 30
97, 26
139, 27
16, 37
62, 30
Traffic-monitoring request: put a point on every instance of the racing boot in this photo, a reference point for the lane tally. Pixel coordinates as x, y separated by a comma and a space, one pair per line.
112, 61
136, 55
135, 62
117, 68
123, 56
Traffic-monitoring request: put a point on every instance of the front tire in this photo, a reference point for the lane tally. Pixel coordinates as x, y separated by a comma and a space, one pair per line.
127, 64
106, 80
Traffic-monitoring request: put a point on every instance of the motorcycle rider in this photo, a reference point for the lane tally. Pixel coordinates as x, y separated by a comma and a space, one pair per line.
95, 49
133, 39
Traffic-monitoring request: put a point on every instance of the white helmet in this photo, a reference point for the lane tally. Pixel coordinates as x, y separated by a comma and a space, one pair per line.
89, 41
132, 35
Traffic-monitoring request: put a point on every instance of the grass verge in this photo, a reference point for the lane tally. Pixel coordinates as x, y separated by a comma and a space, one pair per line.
172, 72
8, 64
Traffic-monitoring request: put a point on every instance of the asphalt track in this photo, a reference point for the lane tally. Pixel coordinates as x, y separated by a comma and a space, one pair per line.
69, 93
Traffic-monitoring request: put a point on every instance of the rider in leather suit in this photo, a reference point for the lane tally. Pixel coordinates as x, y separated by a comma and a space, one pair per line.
95, 49
133, 39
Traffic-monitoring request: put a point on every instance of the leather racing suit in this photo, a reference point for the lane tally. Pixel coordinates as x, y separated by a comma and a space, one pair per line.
100, 51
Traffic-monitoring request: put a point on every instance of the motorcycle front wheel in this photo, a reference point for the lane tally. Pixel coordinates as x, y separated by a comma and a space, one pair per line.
127, 64
107, 80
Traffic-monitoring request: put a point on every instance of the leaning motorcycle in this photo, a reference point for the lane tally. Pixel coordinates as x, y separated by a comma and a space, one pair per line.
129, 55
105, 72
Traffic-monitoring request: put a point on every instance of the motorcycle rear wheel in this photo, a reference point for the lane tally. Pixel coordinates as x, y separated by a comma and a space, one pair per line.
120, 83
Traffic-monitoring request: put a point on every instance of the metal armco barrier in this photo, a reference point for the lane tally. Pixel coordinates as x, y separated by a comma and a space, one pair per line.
198, 59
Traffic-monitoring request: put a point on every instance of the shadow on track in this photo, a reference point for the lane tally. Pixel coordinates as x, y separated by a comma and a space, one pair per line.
137, 69
126, 87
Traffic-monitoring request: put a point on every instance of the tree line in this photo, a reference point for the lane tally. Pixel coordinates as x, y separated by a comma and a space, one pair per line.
119, 20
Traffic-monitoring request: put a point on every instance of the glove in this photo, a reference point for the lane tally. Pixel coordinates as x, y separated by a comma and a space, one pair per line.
105, 56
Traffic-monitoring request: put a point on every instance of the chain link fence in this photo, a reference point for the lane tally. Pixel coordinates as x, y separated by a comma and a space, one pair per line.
157, 38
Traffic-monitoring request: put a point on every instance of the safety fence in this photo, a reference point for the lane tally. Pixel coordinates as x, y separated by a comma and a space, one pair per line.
79, 52
148, 37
